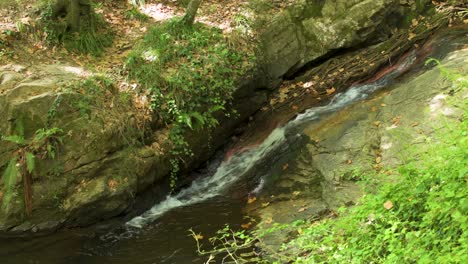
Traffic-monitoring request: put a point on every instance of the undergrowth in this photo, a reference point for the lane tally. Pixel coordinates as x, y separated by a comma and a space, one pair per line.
92, 38
190, 74
421, 218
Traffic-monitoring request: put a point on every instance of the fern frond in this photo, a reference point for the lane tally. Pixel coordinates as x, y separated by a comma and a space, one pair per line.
9, 179
15, 139
30, 162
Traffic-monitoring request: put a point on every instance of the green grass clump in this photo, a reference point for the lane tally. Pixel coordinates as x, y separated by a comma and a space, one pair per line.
93, 37
134, 13
191, 72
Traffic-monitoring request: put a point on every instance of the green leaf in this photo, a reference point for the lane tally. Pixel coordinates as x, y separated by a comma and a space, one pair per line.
30, 164
15, 139
199, 117
9, 177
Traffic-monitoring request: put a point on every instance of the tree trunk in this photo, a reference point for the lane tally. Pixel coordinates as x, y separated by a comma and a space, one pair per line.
74, 12
192, 8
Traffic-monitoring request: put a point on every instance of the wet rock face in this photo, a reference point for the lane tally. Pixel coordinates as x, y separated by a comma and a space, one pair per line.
95, 173
312, 29
359, 142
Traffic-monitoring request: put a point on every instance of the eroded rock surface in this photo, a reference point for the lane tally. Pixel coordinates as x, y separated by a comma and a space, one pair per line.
357, 143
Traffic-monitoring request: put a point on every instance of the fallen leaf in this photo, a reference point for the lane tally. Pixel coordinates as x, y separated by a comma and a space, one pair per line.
265, 204
294, 107
373, 109
341, 69
285, 166
302, 209
251, 200
378, 159
349, 162
246, 226
331, 91
112, 184
388, 205
268, 220
411, 36
308, 84
296, 193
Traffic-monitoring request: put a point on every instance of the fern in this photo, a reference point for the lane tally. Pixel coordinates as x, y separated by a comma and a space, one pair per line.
15, 139
9, 181
30, 165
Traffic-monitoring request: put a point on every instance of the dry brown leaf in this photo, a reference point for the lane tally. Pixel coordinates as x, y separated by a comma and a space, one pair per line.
247, 225
378, 159
268, 220
112, 184
251, 200
331, 91
388, 205
302, 209
285, 166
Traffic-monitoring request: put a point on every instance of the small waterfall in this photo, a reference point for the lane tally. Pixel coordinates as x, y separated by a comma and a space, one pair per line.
238, 165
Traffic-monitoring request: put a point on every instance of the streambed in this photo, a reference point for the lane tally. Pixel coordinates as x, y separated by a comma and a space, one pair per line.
160, 235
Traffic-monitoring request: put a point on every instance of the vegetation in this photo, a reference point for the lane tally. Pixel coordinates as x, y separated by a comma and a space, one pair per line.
421, 218
192, 8
86, 33
43, 145
191, 74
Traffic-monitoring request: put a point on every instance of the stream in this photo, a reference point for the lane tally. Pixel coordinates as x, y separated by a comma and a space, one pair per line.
217, 197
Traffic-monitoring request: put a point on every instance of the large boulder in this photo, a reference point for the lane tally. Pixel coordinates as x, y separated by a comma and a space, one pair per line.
314, 29
96, 171
358, 143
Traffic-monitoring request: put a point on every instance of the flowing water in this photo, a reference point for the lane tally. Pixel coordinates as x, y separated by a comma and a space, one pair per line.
216, 198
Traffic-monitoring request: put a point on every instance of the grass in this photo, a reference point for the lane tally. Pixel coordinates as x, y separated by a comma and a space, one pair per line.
134, 13
94, 35
190, 73
420, 219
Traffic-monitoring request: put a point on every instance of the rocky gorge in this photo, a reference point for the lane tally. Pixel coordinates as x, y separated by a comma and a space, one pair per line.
108, 157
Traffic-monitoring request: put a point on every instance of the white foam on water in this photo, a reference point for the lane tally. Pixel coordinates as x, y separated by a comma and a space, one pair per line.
227, 173
233, 169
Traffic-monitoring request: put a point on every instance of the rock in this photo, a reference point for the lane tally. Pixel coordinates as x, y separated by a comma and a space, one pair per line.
310, 30
95, 174
357, 143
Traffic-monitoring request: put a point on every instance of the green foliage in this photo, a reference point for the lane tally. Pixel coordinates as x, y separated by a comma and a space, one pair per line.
44, 144
191, 74
9, 179
421, 218
94, 91
136, 3
93, 37
134, 13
